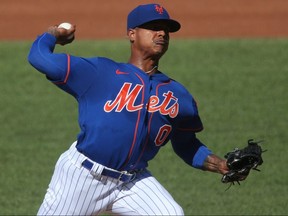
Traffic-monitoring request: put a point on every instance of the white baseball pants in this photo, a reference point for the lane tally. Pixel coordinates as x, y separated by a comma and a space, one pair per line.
73, 190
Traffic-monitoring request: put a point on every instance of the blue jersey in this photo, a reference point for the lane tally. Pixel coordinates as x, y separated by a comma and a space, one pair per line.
125, 115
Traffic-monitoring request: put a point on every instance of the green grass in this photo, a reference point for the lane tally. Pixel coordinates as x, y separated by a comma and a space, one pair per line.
241, 90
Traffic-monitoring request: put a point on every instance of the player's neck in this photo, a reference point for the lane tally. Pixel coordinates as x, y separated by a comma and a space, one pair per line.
148, 66
152, 71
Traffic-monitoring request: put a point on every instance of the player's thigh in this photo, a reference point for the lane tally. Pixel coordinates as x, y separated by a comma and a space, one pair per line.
63, 193
74, 191
145, 196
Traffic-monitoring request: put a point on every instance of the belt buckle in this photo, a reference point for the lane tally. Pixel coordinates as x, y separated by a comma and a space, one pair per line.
122, 174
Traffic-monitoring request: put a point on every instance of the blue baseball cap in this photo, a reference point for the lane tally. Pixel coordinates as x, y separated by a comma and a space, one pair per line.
148, 13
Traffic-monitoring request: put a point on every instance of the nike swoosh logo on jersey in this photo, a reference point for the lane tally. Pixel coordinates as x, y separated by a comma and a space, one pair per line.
121, 72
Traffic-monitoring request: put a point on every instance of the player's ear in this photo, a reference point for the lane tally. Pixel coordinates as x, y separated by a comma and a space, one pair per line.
131, 35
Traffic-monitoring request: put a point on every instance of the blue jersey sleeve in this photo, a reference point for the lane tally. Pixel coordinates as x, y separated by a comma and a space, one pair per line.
184, 140
190, 149
42, 58
72, 74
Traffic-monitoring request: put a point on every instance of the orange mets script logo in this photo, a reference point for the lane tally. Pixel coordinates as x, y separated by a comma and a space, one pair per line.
159, 9
126, 99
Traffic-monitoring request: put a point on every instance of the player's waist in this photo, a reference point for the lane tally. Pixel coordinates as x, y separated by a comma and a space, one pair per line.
97, 169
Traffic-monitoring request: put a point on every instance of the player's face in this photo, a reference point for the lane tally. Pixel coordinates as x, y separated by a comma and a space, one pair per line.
151, 39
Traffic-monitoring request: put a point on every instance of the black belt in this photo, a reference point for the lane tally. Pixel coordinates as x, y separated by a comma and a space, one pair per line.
120, 176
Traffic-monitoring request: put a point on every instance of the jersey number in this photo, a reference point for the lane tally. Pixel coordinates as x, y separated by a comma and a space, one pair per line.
162, 134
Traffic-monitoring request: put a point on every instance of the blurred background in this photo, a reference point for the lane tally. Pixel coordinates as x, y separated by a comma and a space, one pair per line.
107, 19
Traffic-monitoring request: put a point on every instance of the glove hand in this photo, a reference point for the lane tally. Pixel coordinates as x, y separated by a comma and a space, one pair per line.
241, 161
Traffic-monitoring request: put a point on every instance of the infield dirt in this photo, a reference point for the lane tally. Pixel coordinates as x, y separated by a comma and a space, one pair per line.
25, 19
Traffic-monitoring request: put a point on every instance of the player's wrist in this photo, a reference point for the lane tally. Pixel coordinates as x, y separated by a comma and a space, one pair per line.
213, 163
53, 31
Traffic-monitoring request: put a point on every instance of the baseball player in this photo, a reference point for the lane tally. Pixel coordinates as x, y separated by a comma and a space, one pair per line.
127, 112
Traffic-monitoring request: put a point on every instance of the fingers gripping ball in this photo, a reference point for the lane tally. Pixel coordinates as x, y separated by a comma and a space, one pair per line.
66, 26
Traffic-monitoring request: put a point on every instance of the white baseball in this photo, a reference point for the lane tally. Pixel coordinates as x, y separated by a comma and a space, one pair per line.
65, 25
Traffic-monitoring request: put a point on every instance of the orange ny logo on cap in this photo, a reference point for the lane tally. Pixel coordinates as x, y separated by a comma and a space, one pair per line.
159, 9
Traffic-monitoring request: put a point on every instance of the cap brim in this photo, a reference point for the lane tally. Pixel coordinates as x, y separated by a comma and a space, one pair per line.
173, 25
